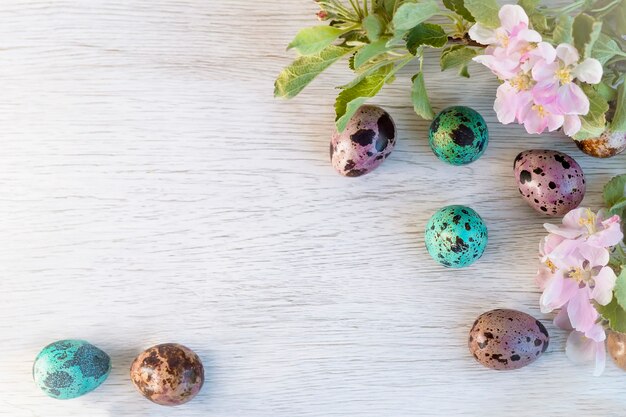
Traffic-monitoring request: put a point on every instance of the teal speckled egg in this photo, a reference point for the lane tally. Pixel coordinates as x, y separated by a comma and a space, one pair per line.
456, 236
70, 368
458, 135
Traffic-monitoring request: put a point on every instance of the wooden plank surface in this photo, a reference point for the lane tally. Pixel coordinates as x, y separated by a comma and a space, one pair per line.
154, 191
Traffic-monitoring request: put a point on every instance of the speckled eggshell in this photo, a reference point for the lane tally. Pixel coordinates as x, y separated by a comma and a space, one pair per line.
67, 369
367, 141
168, 374
551, 182
616, 345
456, 236
458, 135
507, 339
607, 145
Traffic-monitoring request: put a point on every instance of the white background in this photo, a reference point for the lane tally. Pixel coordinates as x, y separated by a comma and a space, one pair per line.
154, 191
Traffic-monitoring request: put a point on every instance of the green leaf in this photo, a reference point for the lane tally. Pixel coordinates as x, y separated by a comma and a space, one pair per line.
618, 124
458, 7
425, 34
594, 122
563, 30
586, 31
619, 206
410, 15
539, 22
350, 99
529, 6
373, 27
456, 56
312, 40
484, 11
615, 190
615, 314
605, 48
304, 69
619, 292
464, 72
370, 51
419, 95
606, 91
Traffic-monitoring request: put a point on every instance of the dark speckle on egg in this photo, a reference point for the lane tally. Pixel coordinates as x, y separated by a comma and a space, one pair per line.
507, 339
369, 138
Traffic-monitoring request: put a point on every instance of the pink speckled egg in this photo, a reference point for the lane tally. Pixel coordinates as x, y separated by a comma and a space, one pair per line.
369, 138
551, 182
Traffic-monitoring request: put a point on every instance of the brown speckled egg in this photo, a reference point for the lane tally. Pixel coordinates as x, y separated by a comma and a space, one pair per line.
616, 345
551, 182
368, 139
606, 145
168, 374
507, 339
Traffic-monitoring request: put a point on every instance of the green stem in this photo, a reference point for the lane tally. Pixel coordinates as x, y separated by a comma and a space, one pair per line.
365, 8
356, 8
607, 7
565, 9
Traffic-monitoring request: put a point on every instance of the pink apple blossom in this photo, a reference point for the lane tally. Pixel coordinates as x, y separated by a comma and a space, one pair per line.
582, 226
509, 45
555, 86
575, 277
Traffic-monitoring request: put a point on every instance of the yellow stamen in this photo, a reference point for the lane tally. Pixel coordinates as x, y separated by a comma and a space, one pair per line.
564, 76
589, 222
521, 82
550, 265
540, 109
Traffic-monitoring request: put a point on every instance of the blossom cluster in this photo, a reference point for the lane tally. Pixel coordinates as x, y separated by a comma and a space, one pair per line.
539, 88
575, 274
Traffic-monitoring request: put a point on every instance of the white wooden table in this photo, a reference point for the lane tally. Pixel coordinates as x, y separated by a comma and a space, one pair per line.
154, 191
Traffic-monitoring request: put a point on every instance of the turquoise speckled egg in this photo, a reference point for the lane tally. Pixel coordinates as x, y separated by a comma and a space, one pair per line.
458, 135
70, 368
456, 236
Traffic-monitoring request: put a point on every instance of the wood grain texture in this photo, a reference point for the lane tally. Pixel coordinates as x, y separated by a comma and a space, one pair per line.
154, 191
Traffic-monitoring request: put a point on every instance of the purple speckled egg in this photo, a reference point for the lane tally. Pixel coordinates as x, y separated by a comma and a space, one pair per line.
551, 182
367, 141
507, 339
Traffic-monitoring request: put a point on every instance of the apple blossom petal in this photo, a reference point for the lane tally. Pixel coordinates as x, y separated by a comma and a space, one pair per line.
543, 276
511, 16
571, 125
571, 99
505, 104
605, 282
482, 34
580, 311
580, 349
503, 68
589, 71
544, 51
555, 121
560, 254
534, 123
543, 70
529, 35
596, 333
562, 320
558, 291
600, 359
544, 92
608, 237
573, 219
567, 53
597, 256
566, 232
